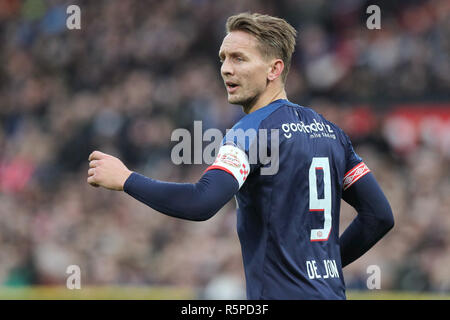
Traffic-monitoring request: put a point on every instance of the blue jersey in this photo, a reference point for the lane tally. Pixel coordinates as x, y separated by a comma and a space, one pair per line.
289, 199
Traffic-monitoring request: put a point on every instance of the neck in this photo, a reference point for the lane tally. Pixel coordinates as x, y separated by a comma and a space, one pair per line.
264, 99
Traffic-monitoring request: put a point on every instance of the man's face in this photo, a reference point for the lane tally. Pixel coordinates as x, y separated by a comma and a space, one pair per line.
244, 69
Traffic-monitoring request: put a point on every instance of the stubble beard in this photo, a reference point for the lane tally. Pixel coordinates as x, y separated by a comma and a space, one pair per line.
245, 101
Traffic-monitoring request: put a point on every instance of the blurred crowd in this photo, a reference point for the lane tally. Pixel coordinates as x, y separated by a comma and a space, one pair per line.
137, 70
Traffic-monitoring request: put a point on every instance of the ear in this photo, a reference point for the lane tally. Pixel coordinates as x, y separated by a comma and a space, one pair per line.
275, 69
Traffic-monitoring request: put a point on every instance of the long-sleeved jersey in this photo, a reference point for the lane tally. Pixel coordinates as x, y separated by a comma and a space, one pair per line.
289, 199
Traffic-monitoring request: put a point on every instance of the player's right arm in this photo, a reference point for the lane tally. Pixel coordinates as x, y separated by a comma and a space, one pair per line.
373, 221
374, 218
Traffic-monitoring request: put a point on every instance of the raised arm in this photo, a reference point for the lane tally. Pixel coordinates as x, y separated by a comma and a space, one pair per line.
197, 202
191, 201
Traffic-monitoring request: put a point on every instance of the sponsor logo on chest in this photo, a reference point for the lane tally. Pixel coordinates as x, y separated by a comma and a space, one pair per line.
315, 129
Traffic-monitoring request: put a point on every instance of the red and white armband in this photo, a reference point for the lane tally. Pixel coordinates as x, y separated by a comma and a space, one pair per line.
354, 175
234, 161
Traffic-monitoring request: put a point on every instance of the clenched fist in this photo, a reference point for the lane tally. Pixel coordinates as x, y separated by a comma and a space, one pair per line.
107, 171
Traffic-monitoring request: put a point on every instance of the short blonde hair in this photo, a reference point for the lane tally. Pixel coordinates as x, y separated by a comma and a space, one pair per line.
275, 36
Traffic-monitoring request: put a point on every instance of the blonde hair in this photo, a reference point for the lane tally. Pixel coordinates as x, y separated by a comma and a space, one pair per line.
276, 37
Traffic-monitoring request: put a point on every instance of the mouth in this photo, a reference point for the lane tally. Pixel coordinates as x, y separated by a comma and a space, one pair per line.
231, 86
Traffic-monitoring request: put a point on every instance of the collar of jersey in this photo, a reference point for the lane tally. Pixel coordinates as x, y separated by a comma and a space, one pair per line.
253, 119
269, 108
275, 102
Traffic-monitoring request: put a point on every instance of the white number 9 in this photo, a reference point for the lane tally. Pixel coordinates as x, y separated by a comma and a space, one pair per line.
317, 205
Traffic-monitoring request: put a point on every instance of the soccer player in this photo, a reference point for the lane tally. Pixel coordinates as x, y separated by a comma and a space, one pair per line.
287, 216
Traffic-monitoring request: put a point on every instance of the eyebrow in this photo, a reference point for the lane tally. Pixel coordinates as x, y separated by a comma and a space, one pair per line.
234, 53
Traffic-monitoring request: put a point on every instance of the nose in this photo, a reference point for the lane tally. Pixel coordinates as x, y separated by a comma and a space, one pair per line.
226, 69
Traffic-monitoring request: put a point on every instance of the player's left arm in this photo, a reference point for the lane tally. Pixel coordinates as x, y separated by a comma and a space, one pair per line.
190, 201
374, 217
107, 171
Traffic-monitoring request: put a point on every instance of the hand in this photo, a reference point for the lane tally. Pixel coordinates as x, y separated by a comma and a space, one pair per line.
107, 171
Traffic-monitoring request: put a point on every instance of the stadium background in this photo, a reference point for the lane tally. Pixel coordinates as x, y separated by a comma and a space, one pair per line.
137, 70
